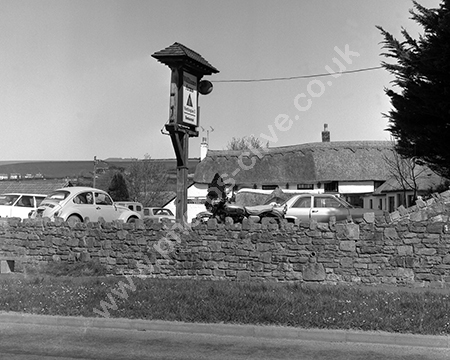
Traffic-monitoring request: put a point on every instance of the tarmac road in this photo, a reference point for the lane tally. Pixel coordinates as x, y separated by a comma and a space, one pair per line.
38, 338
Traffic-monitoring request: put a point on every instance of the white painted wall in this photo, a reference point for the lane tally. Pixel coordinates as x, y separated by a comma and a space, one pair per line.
355, 187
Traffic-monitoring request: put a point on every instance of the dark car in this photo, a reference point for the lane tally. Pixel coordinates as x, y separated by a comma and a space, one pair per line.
321, 207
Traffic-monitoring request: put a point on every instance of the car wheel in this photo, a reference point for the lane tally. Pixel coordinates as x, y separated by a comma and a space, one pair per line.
73, 219
131, 220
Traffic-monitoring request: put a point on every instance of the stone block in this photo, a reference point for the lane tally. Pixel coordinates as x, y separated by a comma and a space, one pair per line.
265, 257
84, 256
395, 216
420, 203
412, 240
426, 251
405, 275
405, 250
369, 217
313, 272
420, 215
390, 233
352, 231
347, 245
243, 275
446, 259
435, 228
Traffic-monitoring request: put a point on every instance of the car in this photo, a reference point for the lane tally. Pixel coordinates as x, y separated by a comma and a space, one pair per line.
158, 213
132, 205
75, 204
19, 205
321, 207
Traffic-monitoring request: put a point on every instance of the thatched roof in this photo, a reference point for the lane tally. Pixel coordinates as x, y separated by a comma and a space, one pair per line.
306, 163
425, 179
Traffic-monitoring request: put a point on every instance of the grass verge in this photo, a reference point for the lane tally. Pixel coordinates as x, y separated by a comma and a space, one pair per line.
294, 304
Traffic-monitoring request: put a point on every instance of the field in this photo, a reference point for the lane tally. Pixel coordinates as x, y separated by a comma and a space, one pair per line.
80, 290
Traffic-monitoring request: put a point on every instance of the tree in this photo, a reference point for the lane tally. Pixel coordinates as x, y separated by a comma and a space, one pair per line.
405, 171
147, 182
420, 118
118, 188
245, 143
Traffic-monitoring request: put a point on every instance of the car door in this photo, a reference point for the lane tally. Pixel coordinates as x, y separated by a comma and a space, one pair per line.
83, 205
301, 208
7, 202
22, 207
326, 206
104, 207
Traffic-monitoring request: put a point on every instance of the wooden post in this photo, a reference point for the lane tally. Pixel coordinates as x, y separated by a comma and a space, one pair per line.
182, 182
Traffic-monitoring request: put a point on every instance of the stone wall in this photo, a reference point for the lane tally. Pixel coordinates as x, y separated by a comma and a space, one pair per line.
403, 249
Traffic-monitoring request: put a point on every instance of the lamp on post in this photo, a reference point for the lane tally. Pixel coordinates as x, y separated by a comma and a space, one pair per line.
188, 67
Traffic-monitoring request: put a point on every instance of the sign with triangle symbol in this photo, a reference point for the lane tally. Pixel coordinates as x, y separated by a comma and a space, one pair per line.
189, 101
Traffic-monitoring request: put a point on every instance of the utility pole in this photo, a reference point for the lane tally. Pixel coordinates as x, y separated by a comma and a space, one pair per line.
95, 170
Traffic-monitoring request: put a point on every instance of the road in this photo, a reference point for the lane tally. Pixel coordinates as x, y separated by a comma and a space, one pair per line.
42, 342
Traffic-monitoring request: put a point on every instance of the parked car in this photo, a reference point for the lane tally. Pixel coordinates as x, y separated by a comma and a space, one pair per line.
74, 204
320, 207
158, 213
19, 205
132, 205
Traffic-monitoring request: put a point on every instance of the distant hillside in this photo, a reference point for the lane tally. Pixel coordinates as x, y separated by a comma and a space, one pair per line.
73, 169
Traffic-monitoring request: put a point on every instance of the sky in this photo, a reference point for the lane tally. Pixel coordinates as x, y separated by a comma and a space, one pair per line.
77, 79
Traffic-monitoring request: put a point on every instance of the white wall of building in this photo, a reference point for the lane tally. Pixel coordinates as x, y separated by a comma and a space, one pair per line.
356, 187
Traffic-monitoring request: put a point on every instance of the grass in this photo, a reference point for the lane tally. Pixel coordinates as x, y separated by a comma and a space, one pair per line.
293, 304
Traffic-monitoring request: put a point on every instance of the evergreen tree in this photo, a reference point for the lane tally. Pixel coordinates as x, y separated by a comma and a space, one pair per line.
420, 118
118, 188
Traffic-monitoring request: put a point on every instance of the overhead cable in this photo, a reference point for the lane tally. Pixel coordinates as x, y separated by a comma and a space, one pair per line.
297, 77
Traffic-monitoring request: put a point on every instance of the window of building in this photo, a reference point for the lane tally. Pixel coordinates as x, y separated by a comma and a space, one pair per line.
391, 203
305, 186
269, 187
331, 186
371, 204
400, 200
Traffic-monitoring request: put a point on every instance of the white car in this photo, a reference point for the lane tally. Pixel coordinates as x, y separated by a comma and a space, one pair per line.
321, 207
132, 205
158, 213
74, 204
19, 205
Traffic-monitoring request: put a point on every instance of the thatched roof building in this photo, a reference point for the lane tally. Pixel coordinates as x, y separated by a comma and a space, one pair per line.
289, 166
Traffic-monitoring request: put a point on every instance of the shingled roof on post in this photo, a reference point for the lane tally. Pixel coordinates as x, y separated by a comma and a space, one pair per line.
178, 54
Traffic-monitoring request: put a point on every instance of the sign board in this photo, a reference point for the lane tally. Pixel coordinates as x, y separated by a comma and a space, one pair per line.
190, 115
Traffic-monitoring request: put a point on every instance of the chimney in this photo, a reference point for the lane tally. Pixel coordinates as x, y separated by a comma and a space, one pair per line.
325, 134
203, 148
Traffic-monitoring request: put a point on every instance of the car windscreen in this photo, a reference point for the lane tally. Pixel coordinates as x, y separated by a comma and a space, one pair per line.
58, 196
8, 199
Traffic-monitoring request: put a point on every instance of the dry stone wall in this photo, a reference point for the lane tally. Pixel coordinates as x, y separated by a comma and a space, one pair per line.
407, 248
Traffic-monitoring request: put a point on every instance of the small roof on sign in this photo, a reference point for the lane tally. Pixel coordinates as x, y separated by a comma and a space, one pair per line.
178, 54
